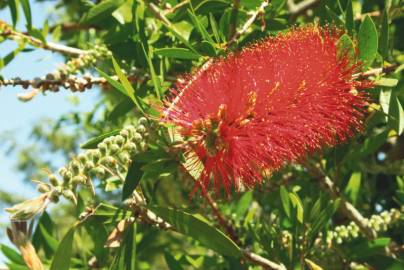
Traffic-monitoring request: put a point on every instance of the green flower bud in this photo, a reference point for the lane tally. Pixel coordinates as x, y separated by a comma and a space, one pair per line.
69, 195
131, 148
62, 171
75, 166
53, 180
114, 148
67, 177
54, 197
141, 129
125, 157
108, 161
82, 158
119, 140
43, 188
99, 172
88, 166
142, 121
124, 133
96, 156
137, 138
79, 179
103, 148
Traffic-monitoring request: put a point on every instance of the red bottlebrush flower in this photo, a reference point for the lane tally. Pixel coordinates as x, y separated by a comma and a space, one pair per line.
274, 102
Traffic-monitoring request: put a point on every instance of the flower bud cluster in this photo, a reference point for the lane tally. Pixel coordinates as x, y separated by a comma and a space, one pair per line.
112, 157
380, 223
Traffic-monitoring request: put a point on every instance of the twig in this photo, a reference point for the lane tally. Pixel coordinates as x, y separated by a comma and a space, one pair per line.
225, 224
176, 7
7, 31
231, 232
249, 22
347, 208
377, 71
147, 216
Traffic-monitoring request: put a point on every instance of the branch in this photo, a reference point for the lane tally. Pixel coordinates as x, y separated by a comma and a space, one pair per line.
377, 71
347, 208
137, 202
249, 22
231, 232
8, 32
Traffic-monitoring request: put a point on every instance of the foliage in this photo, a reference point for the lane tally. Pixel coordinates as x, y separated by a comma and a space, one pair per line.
126, 186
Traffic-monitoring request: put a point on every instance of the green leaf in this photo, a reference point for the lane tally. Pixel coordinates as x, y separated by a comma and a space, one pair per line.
207, 48
199, 26
14, 6
386, 82
384, 36
9, 57
243, 204
349, 17
312, 265
297, 203
334, 17
93, 142
206, 6
27, 12
215, 29
346, 47
110, 213
285, 200
172, 263
180, 53
12, 254
200, 230
353, 187
61, 259
101, 11
396, 121
128, 89
155, 79
132, 179
50, 240
121, 109
112, 82
367, 42
322, 219
178, 34
370, 248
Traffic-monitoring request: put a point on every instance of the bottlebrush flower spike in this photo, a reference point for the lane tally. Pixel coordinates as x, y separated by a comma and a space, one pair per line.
274, 102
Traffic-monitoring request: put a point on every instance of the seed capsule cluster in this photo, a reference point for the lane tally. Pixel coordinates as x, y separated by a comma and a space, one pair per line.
379, 223
112, 157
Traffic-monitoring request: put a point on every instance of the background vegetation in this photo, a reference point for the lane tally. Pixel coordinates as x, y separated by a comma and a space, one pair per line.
340, 209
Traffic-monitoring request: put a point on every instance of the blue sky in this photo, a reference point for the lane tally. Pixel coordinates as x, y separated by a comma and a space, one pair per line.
17, 116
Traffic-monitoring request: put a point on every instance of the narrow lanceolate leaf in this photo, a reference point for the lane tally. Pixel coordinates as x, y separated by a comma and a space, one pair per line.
349, 17
27, 12
14, 6
93, 142
155, 79
285, 200
384, 36
368, 41
297, 204
396, 113
386, 82
199, 229
132, 179
179, 53
128, 89
346, 47
353, 187
61, 259
102, 10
